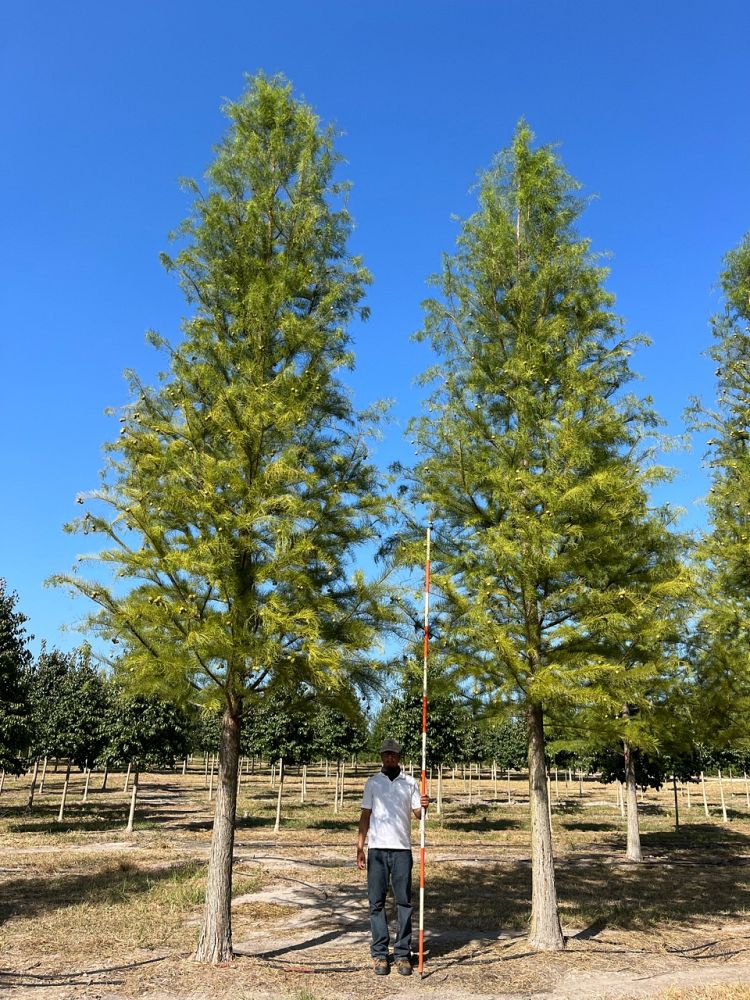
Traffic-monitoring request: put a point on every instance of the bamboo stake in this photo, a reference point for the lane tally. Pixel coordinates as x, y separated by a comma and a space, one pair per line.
133, 798
127, 780
211, 781
2, 781
278, 797
44, 774
747, 791
32, 787
723, 803
705, 801
86, 786
64, 795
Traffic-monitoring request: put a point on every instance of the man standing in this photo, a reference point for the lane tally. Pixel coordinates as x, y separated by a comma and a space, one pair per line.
389, 800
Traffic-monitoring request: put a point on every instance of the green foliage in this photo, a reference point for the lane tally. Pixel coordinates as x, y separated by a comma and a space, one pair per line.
506, 742
281, 727
15, 659
721, 644
449, 724
69, 702
338, 734
240, 485
144, 730
556, 581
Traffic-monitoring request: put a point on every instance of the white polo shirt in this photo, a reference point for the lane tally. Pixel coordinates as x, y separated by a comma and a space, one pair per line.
391, 803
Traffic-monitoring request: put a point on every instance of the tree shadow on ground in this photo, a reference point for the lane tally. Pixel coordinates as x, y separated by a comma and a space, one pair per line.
482, 824
628, 896
30, 897
589, 827
703, 839
79, 817
339, 825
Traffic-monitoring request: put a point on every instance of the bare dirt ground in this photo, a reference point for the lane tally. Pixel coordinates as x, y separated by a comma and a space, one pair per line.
90, 912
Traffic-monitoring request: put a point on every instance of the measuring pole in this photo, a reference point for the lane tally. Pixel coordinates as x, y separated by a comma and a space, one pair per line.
425, 653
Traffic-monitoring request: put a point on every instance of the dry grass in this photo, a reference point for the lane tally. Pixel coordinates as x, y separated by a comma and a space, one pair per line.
136, 898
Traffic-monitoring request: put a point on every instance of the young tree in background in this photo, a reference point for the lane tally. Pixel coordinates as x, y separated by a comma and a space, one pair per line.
534, 468
240, 485
721, 644
143, 732
69, 701
15, 660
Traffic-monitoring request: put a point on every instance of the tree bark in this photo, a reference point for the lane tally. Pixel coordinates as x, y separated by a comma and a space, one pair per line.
633, 850
215, 940
44, 775
545, 933
104, 778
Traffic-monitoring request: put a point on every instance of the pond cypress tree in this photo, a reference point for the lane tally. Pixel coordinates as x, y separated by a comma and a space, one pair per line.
534, 465
241, 483
722, 641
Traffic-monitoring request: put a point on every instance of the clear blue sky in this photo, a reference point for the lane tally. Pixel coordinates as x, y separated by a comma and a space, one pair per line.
105, 105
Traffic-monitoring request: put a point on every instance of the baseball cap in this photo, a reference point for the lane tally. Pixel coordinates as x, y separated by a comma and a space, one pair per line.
390, 746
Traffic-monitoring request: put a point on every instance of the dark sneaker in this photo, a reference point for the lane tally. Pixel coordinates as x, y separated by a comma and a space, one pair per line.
381, 966
403, 966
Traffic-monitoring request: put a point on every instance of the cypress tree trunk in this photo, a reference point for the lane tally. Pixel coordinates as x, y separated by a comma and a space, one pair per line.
215, 941
545, 933
633, 851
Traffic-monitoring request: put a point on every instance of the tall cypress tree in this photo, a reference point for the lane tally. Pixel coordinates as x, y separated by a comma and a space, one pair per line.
547, 557
722, 640
240, 484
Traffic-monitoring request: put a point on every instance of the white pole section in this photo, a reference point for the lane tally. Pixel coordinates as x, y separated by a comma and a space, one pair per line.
425, 654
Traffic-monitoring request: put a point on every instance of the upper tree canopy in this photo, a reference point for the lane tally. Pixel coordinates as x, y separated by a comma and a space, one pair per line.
240, 484
549, 561
722, 645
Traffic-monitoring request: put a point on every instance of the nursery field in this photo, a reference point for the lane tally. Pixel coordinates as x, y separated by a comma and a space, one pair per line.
91, 911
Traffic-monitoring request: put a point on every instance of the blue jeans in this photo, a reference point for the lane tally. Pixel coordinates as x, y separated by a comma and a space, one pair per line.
394, 866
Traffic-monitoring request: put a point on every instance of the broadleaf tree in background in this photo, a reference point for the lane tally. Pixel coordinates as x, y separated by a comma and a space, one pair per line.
15, 661
721, 643
69, 700
535, 465
240, 485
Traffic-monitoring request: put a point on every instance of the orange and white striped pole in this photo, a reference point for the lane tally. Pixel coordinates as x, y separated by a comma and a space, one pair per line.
425, 653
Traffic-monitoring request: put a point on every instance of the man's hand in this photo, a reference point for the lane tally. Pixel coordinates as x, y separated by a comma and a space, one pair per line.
425, 801
361, 863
